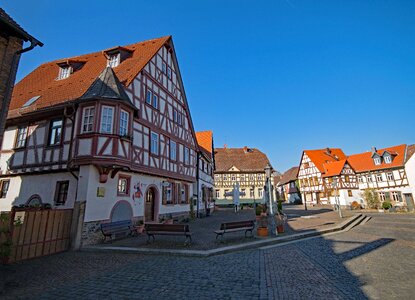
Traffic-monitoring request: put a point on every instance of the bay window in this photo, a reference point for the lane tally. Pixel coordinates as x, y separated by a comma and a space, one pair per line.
107, 114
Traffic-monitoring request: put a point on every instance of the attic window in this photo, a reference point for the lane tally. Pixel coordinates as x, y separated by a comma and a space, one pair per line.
64, 72
376, 160
387, 158
113, 60
31, 101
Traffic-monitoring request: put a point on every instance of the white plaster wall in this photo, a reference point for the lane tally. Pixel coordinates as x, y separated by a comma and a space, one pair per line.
9, 137
410, 173
23, 187
99, 208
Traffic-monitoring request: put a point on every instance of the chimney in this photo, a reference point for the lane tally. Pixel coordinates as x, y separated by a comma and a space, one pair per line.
328, 151
245, 149
374, 150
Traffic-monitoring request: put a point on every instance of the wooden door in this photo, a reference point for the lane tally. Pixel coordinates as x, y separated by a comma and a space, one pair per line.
409, 201
149, 209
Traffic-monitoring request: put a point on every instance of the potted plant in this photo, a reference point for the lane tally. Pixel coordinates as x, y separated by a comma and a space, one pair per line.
262, 229
386, 205
280, 220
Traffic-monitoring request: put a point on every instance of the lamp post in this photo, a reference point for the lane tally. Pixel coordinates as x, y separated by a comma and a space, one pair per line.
268, 170
336, 196
253, 189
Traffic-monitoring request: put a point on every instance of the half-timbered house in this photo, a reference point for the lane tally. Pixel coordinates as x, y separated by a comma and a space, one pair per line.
288, 187
204, 173
311, 171
111, 128
384, 170
245, 166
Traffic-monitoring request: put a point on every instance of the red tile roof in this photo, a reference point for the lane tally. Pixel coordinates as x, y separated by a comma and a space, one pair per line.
322, 156
364, 162
289, 175
333, 168
42, 81
205, 140
251, 160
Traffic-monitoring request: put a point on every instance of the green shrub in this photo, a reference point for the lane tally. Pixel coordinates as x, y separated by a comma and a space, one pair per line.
258, 210
386, 205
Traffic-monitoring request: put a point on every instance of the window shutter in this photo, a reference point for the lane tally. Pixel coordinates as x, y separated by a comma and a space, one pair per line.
387, 196
186, 193
399, 196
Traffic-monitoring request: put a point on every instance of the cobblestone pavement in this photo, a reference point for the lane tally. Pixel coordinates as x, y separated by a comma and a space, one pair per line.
203, 237
375, 260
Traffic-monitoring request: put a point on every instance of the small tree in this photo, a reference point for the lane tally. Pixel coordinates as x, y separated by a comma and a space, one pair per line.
371, 198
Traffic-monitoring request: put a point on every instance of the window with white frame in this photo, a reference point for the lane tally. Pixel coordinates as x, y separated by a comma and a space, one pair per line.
123, 123
167, 194
169, 72
259, 177
360, 178
243, 193
217, 176
379, 177
107, 114
4, 187
155, 101
377, 160
217, 193
64, 72
55, 132
251, 193
260, 194
369, 178
179, 118
186, 156
252, 177
242, 177
164, 68
396, 196
88, 119
388, 159
173, 150
113, 60
21, 137
123, 187
233, 177
149, 96
382, 196
154, 143
225, 177
174, 115
389, 175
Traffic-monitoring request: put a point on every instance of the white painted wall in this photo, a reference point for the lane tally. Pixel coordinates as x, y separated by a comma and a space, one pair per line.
410, 173
23, 187
99, 208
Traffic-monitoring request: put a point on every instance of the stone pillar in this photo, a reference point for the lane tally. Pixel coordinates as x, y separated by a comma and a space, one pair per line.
77, 225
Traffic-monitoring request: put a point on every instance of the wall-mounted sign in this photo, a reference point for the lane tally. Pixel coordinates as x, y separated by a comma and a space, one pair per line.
100, 191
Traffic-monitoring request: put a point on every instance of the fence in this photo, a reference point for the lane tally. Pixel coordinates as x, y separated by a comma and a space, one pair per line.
34, 233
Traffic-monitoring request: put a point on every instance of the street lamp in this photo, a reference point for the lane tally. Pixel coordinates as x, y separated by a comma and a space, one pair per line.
253, 189
336, 196
268, 170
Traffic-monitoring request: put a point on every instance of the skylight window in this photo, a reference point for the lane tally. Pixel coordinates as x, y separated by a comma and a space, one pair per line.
114, 60
64, 72
31, 101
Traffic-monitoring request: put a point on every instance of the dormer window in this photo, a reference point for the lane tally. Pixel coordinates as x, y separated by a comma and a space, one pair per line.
113, 60
376, 160
64, 72
387, 158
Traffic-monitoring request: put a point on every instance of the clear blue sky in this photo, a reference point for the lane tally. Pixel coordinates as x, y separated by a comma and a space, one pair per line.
281, 76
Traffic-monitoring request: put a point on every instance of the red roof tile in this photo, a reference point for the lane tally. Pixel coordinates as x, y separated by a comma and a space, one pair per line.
322, 156
205, 140
42, 81
333, 168
289, 175
251, 160
364, 162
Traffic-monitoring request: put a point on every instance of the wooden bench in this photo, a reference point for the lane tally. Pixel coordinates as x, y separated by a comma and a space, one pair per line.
153, 229
115, 228
236, 226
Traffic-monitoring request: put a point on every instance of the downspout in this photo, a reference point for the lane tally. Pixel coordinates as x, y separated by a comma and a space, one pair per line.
197, 184
70, 150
